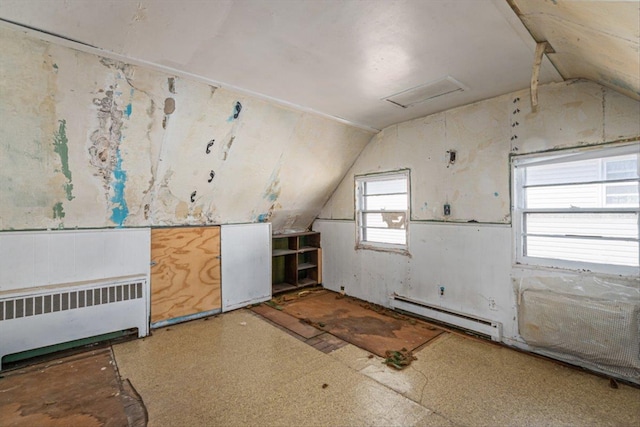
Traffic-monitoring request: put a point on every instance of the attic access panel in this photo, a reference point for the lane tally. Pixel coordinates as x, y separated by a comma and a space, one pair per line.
425, 92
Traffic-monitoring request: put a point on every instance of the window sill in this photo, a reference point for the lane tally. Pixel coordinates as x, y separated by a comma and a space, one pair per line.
583, 269
388, 249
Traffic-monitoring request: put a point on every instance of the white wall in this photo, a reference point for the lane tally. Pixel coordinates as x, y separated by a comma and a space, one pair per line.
87, 141
472, 260
455, 256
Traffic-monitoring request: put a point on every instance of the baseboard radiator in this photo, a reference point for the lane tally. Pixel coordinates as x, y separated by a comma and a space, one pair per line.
486, 327
33, 318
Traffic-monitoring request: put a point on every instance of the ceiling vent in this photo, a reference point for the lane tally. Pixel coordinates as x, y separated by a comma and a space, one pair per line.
425, 92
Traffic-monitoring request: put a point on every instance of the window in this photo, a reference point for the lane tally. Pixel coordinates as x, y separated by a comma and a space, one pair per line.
579, 209
382, 210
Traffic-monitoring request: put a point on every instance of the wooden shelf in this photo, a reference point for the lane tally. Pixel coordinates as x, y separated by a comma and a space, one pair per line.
283, 287
281, 252
297, 261
306, 265
307, 282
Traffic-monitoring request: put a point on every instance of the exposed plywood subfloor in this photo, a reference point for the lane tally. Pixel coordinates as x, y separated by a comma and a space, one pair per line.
316, 338
79, 390
357, 322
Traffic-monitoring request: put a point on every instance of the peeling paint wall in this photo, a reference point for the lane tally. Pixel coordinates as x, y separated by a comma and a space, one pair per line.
470, 253
88, 141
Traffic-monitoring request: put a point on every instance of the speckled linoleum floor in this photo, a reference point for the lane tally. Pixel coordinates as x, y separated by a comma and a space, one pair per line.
238, 370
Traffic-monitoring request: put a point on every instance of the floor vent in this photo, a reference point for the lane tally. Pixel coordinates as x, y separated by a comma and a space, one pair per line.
476, 324
35, 318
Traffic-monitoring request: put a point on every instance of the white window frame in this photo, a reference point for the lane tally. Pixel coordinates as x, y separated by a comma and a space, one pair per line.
518, 210
360, 180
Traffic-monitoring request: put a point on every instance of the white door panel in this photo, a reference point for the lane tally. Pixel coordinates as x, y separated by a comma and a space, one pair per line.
246, 264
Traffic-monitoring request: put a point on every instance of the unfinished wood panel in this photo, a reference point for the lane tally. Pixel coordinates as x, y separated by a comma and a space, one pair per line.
319, 265
185, 276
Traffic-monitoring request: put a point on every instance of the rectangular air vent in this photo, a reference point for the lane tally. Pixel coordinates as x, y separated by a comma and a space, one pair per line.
425, 92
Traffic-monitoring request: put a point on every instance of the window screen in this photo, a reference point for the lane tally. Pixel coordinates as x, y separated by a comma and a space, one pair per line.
579, 207
382, 205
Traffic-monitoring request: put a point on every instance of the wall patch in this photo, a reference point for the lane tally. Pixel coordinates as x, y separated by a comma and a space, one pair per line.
61, 147
120, 211
58, 211
169, 106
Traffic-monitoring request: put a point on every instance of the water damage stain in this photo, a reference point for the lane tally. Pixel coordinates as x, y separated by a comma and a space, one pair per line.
272, 191
227, 147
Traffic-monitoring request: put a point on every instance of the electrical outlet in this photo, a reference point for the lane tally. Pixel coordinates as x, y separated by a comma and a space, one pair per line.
447, 209
492, 305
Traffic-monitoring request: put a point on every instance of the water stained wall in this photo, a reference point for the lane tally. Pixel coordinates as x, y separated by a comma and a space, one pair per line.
89, 141
463, 262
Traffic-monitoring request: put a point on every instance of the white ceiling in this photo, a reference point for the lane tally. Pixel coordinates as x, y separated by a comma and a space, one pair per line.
338, 58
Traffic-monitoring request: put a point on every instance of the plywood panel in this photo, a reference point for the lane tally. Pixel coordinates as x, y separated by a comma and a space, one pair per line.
319, 265
185, 277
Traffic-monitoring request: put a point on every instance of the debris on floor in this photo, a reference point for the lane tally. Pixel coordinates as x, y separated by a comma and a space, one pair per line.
362, 324
399, 359
78, 390
293, 296
273, 304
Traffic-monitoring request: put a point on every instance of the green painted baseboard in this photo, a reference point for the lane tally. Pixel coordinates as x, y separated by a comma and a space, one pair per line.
15, 357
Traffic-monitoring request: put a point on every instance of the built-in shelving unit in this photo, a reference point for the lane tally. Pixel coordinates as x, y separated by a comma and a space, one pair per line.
297, 261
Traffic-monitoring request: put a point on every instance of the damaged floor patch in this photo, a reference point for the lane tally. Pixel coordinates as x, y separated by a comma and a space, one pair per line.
78, 390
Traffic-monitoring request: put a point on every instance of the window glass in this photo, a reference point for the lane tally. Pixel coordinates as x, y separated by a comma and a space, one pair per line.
382, 210
579, 207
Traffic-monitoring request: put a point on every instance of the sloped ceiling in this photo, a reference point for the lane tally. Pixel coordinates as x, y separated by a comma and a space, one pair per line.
595, 40
340, 58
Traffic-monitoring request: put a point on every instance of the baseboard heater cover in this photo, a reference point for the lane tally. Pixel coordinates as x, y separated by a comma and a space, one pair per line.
487, 327
39, 317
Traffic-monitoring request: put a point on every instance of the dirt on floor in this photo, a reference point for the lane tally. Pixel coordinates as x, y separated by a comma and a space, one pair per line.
79, 390
368, 326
